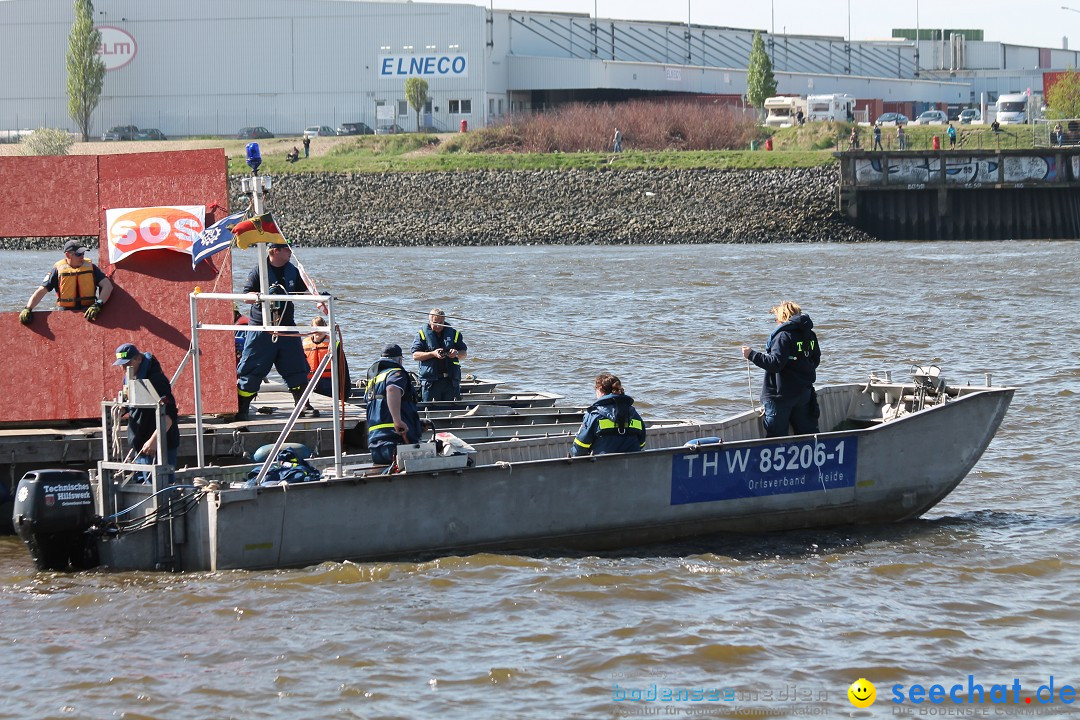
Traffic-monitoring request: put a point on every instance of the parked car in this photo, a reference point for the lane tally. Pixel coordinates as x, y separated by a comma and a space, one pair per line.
932, 117
389, 130
357, 128
318, 131
893, 119
120, 132
150, 134
970, 115
257, 132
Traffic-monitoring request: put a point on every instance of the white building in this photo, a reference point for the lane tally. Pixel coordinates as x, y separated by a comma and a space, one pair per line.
209, 67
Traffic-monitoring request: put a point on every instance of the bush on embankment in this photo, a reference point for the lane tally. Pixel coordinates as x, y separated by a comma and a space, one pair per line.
590, 128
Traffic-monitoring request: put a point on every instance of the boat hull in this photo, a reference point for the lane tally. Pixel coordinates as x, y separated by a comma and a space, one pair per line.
888, 472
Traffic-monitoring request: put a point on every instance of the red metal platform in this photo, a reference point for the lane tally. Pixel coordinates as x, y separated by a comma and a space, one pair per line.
60, 366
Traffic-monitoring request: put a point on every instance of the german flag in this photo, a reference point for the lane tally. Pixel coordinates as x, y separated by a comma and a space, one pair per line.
259, 229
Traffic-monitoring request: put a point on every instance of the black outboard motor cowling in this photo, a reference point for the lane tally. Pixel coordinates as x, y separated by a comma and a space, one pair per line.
53, 511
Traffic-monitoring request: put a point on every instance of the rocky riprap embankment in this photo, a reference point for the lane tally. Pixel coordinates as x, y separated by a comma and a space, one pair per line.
560, 207
491, 207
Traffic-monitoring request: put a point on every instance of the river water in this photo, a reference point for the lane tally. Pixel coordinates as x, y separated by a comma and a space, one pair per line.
983, 590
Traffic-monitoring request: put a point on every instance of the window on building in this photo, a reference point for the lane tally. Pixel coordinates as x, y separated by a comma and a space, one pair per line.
403, 108
460, 107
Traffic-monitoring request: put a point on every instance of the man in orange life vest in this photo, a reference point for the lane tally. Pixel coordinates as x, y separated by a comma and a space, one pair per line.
80, 285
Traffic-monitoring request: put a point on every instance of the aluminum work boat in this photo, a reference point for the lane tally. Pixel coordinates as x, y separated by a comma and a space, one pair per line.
891, 451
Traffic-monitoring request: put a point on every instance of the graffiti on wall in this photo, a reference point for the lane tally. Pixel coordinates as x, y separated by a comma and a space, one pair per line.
959, 170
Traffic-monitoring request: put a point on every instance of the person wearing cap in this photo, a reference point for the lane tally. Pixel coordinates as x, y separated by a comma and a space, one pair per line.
142, 422
79, 284
391, 409
264, 350
790, 362
611, 424
439, 349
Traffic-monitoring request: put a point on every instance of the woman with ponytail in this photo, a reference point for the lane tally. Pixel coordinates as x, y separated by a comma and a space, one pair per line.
611, 424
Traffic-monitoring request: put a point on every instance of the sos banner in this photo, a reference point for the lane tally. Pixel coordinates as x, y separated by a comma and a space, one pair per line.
155, 228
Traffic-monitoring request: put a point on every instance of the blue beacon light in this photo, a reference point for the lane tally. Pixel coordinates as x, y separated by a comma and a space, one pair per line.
254, 157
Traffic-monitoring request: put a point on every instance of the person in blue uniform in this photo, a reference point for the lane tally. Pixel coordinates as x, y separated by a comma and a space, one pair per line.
790, 362
142, 422
80, 285
439, 349
391, 410
611, 424
263, 350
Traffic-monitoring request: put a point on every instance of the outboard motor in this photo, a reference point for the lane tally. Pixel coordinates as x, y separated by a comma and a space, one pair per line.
53, 510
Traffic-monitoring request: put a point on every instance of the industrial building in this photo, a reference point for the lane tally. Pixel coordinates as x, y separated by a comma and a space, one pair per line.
210, 67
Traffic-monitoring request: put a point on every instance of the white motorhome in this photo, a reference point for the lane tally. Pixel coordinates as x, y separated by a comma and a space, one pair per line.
1013, 108
784, 111
830, 107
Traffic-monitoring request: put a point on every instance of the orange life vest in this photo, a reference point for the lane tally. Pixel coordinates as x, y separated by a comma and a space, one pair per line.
315, 352
76, 285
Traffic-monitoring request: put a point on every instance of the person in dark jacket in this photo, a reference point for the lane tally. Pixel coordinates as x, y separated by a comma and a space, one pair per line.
142, 422
263, 350
611, 424
790, 363
439, 349
392, 416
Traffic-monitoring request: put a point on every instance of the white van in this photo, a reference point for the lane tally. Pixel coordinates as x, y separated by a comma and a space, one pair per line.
1013, 108
784, 111
840, 108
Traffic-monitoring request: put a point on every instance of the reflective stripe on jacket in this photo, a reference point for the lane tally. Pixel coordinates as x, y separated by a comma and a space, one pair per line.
611, 425
380, 421
447, 368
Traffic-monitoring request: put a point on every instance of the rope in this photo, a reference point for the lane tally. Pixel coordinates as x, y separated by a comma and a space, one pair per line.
117, 448
392, 312
750, 388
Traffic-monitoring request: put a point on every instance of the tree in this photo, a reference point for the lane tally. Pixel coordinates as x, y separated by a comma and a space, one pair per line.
1063, 97
416, 94
85, 69
760, 83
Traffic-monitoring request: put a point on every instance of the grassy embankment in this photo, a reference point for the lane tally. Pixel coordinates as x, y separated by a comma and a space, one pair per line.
428, 153
808, 146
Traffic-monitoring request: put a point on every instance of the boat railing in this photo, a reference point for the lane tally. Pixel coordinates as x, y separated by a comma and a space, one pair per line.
256, 187
131, 491
330, 357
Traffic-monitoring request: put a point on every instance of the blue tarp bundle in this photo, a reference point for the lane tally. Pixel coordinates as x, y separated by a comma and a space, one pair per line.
287, 468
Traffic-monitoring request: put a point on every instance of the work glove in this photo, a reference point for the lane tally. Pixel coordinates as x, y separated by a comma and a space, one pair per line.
92, 312
26, 316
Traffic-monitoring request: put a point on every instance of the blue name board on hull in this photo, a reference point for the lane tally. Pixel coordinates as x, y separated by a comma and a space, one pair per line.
423, 66
777, 469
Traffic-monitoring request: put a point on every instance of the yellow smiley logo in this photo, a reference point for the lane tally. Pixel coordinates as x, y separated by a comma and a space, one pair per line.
862, 693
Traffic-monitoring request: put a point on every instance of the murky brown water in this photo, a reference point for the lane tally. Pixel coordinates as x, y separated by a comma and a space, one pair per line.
983, 587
